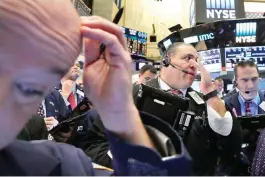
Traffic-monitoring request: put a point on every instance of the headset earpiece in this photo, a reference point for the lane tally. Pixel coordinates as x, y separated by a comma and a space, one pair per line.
235, 83
166, 61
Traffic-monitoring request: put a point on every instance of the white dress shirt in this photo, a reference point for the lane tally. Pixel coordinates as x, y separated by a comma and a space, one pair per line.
220, 125
44, 107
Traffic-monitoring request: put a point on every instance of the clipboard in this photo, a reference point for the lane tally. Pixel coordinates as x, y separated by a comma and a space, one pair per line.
77, 114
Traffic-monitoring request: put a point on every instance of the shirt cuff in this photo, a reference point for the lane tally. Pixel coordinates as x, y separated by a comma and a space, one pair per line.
220, 125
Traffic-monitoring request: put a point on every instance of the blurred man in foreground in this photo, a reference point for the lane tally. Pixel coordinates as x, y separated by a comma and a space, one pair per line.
40, 41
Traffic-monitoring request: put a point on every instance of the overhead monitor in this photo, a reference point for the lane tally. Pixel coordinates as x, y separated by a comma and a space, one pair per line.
235, 54
136, 41
261, 84
211, 60
230, 87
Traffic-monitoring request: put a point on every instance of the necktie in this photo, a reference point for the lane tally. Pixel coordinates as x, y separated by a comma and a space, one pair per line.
40, 111
176, 92
71, 100
247, 108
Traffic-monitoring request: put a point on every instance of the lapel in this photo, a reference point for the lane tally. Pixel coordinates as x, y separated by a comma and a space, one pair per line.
79, 94
30, 159
51, 109
234, 104
261, 96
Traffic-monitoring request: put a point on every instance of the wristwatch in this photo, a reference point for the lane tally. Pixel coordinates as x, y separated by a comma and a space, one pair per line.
210, 95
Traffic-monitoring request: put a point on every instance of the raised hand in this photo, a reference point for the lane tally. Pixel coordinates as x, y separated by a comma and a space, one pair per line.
107, 79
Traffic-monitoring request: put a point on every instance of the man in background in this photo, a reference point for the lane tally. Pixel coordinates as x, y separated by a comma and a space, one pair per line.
218, 84
146, 73
248, 98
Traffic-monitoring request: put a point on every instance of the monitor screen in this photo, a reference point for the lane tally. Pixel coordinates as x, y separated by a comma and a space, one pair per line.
235, 54
262, 84
167, 43
230, 87
136, 41
211, 60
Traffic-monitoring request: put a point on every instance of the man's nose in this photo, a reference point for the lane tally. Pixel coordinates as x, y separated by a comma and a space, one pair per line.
250, 84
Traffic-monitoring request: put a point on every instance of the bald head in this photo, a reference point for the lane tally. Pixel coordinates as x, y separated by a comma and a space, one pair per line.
49, 27
39, 42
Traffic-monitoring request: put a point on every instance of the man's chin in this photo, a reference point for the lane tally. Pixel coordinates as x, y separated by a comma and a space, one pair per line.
249, 96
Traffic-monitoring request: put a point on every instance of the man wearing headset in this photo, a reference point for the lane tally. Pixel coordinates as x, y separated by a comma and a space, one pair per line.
178, 71
247, 100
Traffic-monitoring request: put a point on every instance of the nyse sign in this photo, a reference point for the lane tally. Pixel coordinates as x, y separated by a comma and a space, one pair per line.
245, 39
220, 14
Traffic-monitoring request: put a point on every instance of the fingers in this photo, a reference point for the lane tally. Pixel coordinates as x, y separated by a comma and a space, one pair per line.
105, 25
49, 119
112, 43
197, 64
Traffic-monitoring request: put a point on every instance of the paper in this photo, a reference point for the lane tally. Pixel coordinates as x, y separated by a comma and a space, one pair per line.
262, 105
196, 97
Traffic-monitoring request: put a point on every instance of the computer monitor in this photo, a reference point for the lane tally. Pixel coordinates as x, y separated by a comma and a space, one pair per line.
211, 60
262, 84
235, 54
230, 87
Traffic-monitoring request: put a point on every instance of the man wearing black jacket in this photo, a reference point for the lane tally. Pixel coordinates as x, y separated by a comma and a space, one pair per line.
219, 140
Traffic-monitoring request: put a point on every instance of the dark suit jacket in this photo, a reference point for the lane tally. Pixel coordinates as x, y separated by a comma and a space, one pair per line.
35, 129
48, 158
55, 106
204, 143
230, 93
233, 103
258, 163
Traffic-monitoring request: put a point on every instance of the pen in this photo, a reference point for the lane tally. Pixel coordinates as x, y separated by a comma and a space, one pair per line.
116, 21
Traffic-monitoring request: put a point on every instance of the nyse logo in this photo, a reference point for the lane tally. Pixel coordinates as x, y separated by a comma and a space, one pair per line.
246, 32
220, 9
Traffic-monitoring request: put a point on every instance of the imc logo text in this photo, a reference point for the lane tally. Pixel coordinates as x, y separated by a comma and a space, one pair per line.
220, 9
246, 32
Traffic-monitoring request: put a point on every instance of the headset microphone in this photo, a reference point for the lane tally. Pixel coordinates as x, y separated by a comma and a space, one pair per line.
166, 62
246, 92
179, 68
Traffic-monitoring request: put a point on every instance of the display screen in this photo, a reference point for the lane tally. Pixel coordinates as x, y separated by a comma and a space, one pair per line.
262, 84
221, 34
235, 54
140, 64
229, 87
136, 41
211, 60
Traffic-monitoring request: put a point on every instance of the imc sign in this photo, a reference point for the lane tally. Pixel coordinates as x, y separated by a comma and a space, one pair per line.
195, 39
214, 10
246, 32
220, 9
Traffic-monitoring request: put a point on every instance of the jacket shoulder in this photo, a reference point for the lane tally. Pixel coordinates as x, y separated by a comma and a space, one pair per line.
32, 155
